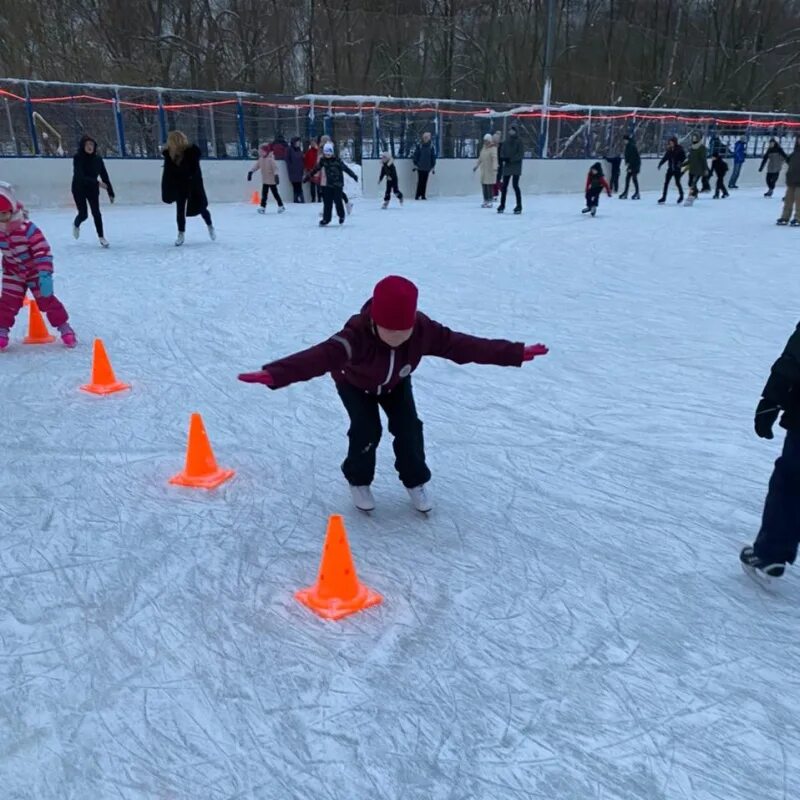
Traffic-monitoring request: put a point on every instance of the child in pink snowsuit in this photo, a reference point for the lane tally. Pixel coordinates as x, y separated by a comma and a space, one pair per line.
27, 264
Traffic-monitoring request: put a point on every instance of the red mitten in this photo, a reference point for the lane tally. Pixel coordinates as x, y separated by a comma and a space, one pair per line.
533, 350
262, 376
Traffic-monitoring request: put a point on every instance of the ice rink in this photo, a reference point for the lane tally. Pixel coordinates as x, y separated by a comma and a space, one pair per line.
570, 623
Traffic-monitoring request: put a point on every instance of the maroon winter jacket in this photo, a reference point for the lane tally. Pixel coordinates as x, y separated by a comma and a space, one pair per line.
356, 355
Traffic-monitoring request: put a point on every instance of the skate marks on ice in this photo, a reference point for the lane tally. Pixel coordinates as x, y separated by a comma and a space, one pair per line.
570, 621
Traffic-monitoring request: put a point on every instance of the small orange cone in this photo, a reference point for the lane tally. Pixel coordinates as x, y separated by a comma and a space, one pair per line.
103, 380
255, 199
337, 592
201, 470
37, 330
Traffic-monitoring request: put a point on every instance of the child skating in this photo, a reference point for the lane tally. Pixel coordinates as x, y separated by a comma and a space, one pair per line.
27, 264
389, 171
371, 360
268, 167
333, 185
595, 184
776, 543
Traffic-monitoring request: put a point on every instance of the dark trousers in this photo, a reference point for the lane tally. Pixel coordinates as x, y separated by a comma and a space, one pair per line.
181, 213
614, 180
706, 183
422, 184
265, 190
676, 174
631, 176
720, 187
332, 195
488, 192
772, 179
593, 197
297, 186
391, 186
316, 192
93, 200
365, 433
780, 525
506, 180
737, 168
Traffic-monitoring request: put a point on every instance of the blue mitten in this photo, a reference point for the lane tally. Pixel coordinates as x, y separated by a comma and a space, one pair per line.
46, 284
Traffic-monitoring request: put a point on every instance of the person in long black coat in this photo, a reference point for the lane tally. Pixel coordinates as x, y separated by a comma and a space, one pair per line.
182, 183
89, 175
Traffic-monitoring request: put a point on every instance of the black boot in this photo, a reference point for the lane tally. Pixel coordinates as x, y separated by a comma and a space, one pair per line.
750, 560
662, 200
637, 196
623, 196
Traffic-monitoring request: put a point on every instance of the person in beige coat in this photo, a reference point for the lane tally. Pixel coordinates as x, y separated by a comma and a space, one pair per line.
487, 164
268, 166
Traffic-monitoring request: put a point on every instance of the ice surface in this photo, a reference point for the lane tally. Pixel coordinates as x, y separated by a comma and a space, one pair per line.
571, 622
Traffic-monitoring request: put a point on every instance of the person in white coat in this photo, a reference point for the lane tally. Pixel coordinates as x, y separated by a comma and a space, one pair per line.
487, 164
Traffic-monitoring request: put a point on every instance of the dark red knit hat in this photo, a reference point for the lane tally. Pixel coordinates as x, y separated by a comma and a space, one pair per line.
394, 303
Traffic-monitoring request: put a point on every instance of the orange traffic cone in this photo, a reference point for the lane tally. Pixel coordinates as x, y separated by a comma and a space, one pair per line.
26, 301
103, 380
255, 199
201, 470
337, 592
37, 330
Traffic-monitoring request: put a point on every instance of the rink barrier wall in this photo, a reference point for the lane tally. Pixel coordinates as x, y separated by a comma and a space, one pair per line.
45, 183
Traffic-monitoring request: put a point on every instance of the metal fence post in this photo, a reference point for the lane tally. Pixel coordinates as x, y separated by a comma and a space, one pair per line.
162, 119
240, 126
31, 123
376, 131
589, 135
120, 124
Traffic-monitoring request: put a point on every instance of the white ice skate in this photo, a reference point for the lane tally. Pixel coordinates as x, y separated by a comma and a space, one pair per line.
262, 210
103, 241
419, 498
212, 233
76, 232
349, 207
362, 498
282, 209
180, 240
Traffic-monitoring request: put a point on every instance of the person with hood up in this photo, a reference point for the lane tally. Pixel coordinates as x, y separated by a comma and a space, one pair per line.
389, 171
595, 184
295, 166
792, 197
773, 160
371, 361
310, 160
511, 157
633, 164
89, 175
268, 167
698, 161
182, 183
673, 158
334, 169
776, 544
739, 157
424, 159
323, 176
487, 164
27, 264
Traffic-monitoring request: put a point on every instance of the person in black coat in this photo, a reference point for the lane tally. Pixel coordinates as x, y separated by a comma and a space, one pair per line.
89, 174
720, 168
633, 164
334, 183
674, 157
389, 171
777, 541
182, 183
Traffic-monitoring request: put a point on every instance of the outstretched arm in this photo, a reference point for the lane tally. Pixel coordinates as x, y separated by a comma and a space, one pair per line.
463, 348
325, 357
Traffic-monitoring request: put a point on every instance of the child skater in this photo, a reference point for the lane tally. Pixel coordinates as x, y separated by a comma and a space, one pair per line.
333, 188
487, 164
371, 360
389, 171
323, 140
776, 543
27, 264
595, 183
268, 166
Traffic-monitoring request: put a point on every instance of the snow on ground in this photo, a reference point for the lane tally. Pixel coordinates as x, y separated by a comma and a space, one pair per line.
570, 623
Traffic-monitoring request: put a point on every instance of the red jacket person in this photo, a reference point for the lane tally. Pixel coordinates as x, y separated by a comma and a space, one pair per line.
371, 360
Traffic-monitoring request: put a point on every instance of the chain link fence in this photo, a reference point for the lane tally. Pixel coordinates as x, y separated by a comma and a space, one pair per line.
43, 119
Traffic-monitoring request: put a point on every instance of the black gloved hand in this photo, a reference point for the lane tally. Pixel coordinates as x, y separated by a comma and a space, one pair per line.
249, 176
766, 413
